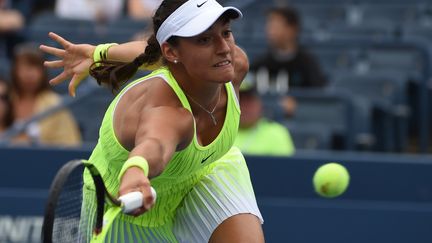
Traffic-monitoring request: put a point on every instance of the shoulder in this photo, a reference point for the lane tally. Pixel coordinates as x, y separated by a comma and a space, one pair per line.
151, 92
273, 127
48, 98
241, 67
304, 54
150, 107
173, 122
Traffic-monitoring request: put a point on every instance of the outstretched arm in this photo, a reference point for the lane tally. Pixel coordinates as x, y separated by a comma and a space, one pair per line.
126, 52
76, 59
161, 131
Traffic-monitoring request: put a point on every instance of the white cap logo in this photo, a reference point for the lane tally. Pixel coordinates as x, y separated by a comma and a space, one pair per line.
192, 18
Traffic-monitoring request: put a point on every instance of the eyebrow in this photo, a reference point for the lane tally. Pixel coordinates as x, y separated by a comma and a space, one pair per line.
226, 21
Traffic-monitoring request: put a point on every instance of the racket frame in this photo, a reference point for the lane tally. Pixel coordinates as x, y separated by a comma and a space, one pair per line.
56, 188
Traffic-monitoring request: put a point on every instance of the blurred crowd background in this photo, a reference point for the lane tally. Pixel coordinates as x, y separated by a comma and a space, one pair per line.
351, 75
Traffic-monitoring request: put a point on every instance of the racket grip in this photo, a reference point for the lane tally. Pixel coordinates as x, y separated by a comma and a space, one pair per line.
134, 200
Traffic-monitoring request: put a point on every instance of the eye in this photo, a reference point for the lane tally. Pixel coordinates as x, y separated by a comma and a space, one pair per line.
203, 40
227, 33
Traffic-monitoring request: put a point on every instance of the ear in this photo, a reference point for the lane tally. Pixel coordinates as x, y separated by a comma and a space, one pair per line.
169, 52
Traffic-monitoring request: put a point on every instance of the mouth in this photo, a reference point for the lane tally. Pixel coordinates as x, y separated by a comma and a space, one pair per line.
223, 63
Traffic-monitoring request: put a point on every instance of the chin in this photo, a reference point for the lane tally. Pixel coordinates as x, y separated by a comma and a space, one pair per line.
224, 80
225, 76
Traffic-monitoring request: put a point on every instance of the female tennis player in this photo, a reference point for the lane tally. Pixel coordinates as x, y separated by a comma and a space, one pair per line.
174, 128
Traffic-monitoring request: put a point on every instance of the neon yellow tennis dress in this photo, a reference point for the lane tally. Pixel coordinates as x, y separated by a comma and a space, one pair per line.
200, 187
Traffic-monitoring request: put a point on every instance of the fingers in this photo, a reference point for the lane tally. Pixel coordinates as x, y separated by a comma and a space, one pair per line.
59, 78
54, 64
76, 80
148, 201
53, 51
60, 40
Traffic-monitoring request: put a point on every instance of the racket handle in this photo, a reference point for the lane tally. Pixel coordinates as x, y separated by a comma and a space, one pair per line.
134, 200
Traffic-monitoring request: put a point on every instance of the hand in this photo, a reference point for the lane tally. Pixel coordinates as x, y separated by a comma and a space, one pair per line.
134, 180
289, 105
74, 59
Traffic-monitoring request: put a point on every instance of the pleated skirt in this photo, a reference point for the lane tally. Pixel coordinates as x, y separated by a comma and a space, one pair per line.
224, 192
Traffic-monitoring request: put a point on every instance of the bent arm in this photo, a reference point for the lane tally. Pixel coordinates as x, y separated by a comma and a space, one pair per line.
241, 67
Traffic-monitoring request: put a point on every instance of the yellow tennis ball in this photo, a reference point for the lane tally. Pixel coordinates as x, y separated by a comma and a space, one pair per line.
331, 180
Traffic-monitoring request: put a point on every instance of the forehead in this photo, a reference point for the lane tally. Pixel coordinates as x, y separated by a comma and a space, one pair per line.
276, 17
222, 22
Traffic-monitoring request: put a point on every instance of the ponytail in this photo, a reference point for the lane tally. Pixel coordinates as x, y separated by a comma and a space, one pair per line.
115, 74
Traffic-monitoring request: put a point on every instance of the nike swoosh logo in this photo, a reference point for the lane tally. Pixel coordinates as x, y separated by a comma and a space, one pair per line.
199, 5
206, 158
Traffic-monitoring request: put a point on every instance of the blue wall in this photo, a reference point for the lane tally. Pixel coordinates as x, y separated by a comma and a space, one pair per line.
389, 199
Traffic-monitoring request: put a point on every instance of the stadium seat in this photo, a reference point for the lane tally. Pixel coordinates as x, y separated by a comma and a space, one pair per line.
84, 31
315, 15
90, 109
312, 137
417, 30
71, 29
371, 31
408, 60
382, 98
323, 117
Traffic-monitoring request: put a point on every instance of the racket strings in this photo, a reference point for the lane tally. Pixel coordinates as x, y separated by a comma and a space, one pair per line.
72, 222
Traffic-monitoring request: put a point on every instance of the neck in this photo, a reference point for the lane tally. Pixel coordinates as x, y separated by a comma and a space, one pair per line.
27, 95
248, 126
288, 47
204, 92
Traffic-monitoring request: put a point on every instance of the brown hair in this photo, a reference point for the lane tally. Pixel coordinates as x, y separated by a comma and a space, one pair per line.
33, 56
290, 15
115, 73
9, 117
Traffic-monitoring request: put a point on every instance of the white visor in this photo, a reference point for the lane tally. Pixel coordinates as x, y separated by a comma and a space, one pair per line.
192, 18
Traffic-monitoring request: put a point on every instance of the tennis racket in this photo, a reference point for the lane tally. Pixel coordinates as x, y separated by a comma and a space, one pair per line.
75, 211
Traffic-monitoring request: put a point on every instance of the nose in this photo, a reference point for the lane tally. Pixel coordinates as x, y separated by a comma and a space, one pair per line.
222, 45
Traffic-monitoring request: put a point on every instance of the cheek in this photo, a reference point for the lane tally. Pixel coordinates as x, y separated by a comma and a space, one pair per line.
35, 73
31, 77
196, 58
197, 63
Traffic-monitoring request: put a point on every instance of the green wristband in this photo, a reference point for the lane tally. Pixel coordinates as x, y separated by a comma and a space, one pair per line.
136, 161
101, 52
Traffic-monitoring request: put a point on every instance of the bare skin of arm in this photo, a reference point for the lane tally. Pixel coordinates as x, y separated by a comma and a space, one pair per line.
153, 128
76, 59
241, 67
157, 139
156, 147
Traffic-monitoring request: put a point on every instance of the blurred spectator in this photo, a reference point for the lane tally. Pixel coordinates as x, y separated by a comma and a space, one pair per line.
31, 95
42, 6
95, 10
11, 19
12, 22
286, 54
6, 112
142, 9
257, 135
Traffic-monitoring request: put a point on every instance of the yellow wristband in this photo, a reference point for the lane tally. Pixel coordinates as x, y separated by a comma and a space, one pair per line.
101, 52
137, 161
